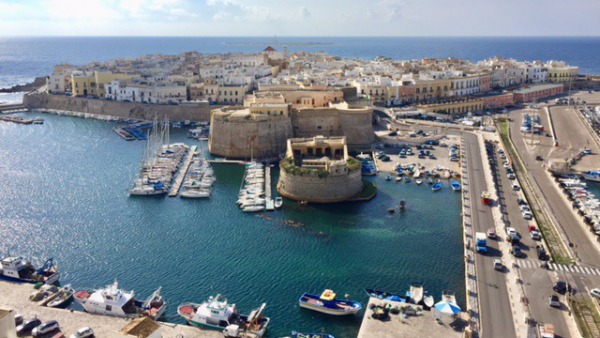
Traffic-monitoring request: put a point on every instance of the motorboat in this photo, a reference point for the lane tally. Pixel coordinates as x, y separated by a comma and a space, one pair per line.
328, 304
278, 202
296, 334
195, 193
456, 186
416, 293
418, 181
217, 313
18, 269
428, 301
437, 186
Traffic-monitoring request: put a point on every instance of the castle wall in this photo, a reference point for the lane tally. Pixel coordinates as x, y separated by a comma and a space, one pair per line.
243, 138
118, 108
312, 188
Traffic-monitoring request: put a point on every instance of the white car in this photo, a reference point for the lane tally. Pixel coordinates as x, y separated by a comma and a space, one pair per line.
83, 332
498, 265
535, 235
511, 231
595, 292
526, 214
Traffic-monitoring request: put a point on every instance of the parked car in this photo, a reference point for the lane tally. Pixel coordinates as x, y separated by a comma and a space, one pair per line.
511, 231
521, 201
554, 301
44, 328
515, 250
18, 319
595, 292
541, 253
511, 176
539, 158
83, 332
526, 214
25, 328
498, 265
491, 233
515, 187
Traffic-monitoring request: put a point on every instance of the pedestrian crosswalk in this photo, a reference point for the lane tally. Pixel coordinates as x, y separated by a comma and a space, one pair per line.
533, 264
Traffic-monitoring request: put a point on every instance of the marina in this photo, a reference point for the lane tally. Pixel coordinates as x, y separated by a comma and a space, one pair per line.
182, 172
313, 234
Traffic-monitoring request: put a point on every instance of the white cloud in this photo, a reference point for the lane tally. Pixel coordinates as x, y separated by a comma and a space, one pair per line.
90, 10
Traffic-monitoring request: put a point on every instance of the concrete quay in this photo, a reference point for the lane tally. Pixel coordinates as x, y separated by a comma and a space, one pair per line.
182, 172
16, 297
422, 325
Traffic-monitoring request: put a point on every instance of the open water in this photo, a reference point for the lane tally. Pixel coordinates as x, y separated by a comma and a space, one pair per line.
63, 194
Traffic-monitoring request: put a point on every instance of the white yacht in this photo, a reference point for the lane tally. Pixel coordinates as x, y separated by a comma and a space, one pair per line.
592, 175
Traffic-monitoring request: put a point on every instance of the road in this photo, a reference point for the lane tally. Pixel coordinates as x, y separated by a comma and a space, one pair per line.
495, 310
538, 282
576, 234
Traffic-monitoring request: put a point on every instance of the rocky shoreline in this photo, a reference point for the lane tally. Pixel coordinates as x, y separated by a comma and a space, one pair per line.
37, 83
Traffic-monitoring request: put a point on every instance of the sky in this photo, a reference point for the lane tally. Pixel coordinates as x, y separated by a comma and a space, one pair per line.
299, 18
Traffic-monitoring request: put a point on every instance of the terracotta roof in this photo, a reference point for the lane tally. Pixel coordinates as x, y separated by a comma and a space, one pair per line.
269, 49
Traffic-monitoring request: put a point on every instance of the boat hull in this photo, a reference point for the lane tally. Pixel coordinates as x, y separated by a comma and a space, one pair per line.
52, 280
326, 310
333, 307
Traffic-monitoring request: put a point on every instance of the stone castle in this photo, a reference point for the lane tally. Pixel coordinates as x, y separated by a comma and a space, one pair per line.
319, 170
261, 127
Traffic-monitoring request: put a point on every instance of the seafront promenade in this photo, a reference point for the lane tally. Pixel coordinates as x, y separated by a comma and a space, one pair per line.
16, 297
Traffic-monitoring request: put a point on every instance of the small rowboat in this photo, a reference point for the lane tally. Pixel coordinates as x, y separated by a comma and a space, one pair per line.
328, 304
385, 295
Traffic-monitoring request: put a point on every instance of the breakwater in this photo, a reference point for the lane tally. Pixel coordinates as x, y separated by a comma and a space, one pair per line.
130, 110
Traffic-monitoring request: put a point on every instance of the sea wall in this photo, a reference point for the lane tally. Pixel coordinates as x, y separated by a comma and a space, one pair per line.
117, 108
315, 189
258, 137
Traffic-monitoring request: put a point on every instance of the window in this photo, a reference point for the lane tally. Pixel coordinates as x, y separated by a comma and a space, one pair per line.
108, 308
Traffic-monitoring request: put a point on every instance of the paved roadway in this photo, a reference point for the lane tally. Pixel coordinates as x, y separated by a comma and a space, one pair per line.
537, 281
583, 246
496, 313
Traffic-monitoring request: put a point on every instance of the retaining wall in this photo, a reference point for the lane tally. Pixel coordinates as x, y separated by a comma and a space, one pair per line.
118, 108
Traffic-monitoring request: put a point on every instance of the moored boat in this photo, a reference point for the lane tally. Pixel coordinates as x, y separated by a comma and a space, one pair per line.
278, 202
113, 301
416, 293
456, 186
63, 297
437, 187
296, 334
18, 269
592, 175
328, 304
217, 313
418, 181
428, 301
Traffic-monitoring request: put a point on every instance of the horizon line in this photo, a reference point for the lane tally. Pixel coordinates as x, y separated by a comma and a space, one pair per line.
299, 36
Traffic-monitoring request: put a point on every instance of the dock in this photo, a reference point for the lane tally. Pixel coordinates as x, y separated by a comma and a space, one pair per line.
226, 161
270, 205
182, 172
420, 324
16, 119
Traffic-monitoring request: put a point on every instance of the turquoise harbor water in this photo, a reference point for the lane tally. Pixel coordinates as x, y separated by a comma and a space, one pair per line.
63, 194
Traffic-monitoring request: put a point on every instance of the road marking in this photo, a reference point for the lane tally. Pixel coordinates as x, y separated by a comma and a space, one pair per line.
575, 268
595, 271
586, 270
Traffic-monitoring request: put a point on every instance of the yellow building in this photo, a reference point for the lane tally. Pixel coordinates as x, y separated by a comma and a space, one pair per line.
428, 90
562, 74
456, 107
84, 85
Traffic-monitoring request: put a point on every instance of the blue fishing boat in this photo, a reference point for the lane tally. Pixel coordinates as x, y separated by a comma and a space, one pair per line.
311, 335
437, 187
385, 295
327, 303
455, 186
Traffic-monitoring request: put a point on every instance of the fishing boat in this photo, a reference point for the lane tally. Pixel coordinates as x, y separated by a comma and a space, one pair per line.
418, 181
63, 297
278, 202
416, 293
113, 301
155, 305
385, 295
18, 269
437, 186
406, 179
217, 313
455, 186
328, 304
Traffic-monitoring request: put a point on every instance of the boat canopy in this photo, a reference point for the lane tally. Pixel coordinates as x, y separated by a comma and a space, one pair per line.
328, 295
